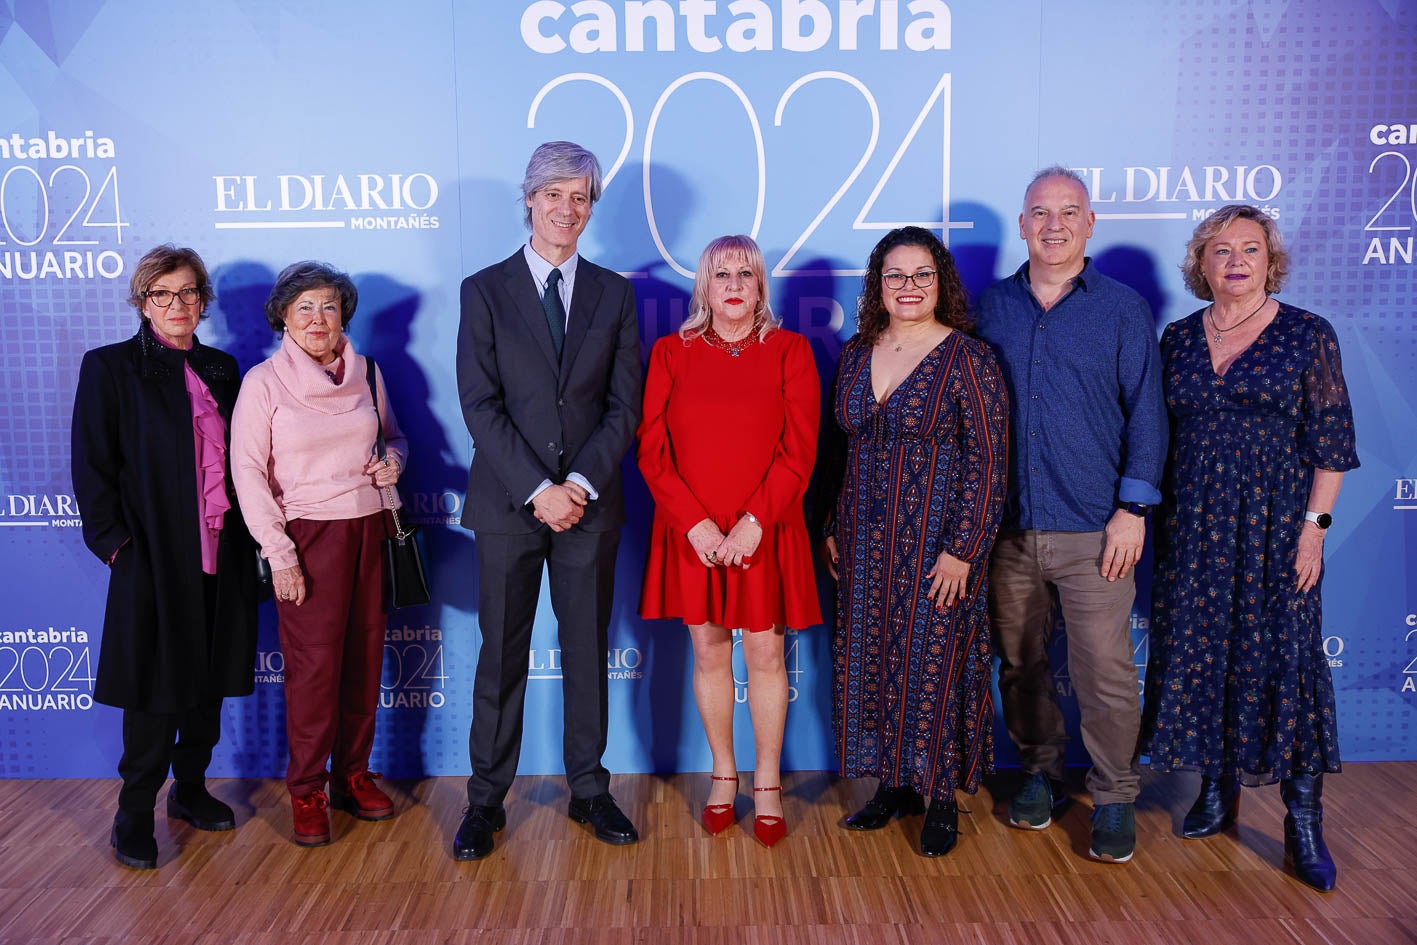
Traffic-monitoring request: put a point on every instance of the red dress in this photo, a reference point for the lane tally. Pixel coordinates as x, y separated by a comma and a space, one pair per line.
724, 435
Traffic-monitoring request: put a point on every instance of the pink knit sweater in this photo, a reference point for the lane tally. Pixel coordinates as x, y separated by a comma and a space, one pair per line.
299, 443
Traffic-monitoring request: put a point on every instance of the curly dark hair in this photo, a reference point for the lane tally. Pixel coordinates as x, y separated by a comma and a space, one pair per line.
951, 304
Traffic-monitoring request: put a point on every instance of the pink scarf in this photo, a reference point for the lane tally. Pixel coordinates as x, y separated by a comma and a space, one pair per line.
209, 437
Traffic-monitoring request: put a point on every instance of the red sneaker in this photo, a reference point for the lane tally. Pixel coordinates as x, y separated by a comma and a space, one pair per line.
359, 795
312, 819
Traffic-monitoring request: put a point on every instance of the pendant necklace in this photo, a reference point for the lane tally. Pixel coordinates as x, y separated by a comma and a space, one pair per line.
1220, 333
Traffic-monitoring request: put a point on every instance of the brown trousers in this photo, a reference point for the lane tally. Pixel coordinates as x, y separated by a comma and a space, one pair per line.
1026, 567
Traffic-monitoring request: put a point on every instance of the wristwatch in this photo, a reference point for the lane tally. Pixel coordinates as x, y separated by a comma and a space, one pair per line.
1136, 508
1322, 519
752, 518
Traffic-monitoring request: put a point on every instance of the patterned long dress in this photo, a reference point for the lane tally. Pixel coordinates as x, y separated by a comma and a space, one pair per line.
1237, 683
925, 472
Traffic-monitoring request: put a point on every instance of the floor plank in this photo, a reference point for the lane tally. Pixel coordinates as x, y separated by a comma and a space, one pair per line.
549, 880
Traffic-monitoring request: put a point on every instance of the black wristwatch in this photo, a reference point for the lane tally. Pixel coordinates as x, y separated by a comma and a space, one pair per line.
1322, 519
1136, 508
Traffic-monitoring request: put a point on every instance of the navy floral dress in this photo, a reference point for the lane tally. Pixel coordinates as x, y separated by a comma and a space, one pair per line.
925, 473
1237, 683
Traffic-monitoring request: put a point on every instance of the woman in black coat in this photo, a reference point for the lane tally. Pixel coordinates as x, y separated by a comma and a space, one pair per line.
150, 439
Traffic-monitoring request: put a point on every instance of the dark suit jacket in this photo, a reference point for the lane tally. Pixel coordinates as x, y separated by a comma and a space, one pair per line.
532, 419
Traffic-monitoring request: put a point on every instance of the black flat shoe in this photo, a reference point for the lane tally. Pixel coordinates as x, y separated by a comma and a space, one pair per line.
886, 804
605, 817
132, 840
194, 804
474, 837
941, 830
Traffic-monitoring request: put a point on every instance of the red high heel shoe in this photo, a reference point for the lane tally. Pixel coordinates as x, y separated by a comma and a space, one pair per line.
768, 828
718, 817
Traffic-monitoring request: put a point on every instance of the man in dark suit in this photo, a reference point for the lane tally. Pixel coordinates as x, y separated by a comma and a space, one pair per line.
549, 376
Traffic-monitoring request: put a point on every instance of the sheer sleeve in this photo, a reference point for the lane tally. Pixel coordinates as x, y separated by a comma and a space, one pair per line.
1326, 436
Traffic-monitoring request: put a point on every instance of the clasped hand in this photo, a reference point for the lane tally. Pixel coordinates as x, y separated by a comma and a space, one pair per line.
734, 550
560, 506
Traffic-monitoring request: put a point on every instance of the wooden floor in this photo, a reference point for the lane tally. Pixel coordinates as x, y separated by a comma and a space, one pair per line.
549, 881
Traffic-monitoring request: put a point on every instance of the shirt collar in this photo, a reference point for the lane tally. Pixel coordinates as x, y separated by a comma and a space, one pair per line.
1084, 280
541, 269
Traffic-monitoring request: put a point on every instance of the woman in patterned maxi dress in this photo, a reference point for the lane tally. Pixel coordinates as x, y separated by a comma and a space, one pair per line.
925, 410
1238, 685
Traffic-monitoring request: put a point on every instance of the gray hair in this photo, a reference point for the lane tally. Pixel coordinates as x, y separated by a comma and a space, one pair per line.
555, 161
1058, 170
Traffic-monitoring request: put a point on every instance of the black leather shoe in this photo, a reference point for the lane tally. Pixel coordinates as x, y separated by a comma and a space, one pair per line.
474, 836
887, 803
1304, 849
194, 804
941, 830
1215, 808
132, 840
605, 816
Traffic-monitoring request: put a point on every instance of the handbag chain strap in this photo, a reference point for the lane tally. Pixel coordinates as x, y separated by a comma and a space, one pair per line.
399, 533
390, 495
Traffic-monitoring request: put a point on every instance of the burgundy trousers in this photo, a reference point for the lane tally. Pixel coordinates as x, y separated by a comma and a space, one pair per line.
334, 649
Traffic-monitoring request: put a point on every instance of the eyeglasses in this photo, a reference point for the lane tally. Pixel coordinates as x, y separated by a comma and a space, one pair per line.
162, 298
895, 281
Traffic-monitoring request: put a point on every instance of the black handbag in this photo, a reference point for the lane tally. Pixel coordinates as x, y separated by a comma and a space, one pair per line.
405, 579
265, 583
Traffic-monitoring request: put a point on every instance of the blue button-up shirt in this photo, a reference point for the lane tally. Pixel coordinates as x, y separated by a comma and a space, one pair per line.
1088, 422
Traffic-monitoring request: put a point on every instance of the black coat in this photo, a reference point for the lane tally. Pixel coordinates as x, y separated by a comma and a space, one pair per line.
135, 480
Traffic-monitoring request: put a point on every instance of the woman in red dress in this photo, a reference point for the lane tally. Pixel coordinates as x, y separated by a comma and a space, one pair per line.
727, 444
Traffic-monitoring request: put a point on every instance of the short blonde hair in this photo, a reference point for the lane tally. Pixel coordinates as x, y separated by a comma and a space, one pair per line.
1209, 228
715, 254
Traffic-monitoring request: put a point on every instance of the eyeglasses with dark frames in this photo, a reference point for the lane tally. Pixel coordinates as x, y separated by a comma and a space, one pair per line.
162, 298
895, 281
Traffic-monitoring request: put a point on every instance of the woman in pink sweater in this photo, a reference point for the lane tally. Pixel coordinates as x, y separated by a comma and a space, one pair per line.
303, 460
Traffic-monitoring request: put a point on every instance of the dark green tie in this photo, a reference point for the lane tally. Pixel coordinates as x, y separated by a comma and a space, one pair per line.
555, 311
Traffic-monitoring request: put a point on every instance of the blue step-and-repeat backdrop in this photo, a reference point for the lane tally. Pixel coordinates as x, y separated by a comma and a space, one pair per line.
390, 138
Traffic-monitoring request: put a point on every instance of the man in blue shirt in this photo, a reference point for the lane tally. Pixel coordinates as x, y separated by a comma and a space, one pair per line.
1087, 447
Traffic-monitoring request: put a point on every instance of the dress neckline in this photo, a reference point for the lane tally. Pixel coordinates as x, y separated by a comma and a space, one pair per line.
871, 364
1244, 352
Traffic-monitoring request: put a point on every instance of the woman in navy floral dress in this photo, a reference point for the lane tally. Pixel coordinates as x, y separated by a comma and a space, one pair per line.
1238, 686
925, 411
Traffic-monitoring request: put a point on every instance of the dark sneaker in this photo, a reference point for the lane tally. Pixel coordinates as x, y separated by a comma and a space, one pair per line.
1032, 807
1114, 833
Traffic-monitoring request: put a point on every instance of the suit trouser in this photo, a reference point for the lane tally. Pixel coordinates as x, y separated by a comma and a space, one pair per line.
155, 741
581, 566
1024, 568
333, 645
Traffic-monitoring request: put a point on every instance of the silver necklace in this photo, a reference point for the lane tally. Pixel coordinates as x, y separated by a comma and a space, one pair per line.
1220, 333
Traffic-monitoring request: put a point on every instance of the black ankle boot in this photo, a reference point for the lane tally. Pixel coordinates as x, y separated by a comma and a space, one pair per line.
1304, 849
132, 840
941, 830
193, 803
1214, 810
